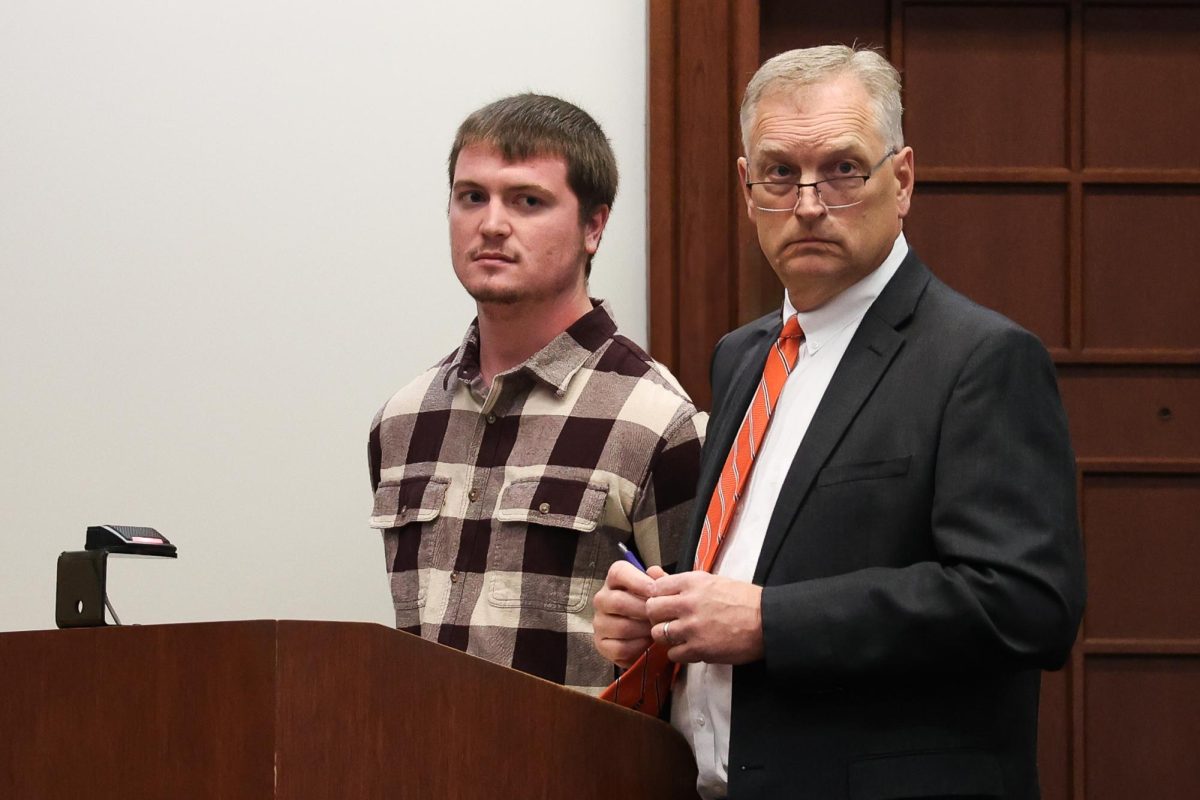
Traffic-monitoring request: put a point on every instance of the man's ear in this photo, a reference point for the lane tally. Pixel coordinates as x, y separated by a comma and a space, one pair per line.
743, 167
906, 177
593, 229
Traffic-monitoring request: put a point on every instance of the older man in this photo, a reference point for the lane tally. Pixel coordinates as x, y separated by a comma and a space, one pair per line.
506, 475
887, 549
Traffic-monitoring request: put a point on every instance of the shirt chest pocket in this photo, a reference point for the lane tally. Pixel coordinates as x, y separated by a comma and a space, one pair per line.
407, 512
545, 544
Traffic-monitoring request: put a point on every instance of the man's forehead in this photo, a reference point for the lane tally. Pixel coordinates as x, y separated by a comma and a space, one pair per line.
834, 115
835, 144
485, 158
802, 96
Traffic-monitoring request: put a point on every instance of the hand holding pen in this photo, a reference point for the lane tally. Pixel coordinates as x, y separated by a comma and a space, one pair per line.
629, 556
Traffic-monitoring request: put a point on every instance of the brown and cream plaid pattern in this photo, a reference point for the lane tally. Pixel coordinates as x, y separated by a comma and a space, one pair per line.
501, 508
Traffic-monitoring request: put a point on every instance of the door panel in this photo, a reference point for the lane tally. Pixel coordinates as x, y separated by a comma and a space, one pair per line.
997, 72
1022, 276
1141, 66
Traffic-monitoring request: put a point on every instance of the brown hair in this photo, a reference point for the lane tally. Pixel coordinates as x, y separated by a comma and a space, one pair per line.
527, 125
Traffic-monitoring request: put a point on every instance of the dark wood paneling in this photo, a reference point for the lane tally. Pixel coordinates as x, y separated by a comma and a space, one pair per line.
197, 706
307, 711
758, 288
1132, 412
1143, 723
1023, 277
1143, 549
1135, 295
697, 238
1054, 735
705, 197
663, 252
996, 69
1141, 70
786, 26
389, 699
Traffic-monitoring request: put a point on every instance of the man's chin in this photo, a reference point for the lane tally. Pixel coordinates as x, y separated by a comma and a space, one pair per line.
814, 265
496, 296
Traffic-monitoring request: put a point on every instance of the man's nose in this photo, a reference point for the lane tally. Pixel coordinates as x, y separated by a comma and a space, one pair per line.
809, 204
495, 220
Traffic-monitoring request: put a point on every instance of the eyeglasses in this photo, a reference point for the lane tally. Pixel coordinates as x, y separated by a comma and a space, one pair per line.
840, 192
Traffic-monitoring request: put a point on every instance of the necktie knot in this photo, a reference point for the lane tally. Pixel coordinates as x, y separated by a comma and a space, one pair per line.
791, 329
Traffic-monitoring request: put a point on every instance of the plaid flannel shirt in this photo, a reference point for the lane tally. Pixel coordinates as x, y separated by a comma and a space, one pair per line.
501, 508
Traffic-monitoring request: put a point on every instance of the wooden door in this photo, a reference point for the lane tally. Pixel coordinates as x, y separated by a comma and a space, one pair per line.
1058, 181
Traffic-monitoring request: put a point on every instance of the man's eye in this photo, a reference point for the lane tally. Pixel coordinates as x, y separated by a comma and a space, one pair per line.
846, 168
470, 197
528, 201
778, 173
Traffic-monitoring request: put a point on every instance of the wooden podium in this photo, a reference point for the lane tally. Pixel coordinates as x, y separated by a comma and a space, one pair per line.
307, 711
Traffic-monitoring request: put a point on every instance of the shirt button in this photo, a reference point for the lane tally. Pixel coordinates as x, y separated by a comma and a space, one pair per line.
544, 508
491, 418
454, 577
403, 509
473, 494
700, 720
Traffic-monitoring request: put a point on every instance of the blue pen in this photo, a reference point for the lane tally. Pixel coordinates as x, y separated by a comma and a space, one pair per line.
630, 557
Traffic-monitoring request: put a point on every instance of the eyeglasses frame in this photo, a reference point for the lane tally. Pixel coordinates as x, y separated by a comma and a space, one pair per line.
816, 185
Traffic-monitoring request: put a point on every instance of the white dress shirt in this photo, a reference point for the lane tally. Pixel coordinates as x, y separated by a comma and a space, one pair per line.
702, 697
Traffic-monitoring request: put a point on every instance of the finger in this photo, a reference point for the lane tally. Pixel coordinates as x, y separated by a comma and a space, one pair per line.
669, 636
680, 647
626, 577
683, 653
677, 583
665, 609
611, 627
619, 603
622, 652
655, 571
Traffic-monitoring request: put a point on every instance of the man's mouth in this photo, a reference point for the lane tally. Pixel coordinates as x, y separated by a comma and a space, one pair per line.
809, 240
492, 255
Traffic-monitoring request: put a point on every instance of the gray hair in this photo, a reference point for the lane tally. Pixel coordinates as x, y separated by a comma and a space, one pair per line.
795, 69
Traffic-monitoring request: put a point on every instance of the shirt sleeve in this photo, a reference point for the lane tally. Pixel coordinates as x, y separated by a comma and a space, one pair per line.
375, 451
664, 499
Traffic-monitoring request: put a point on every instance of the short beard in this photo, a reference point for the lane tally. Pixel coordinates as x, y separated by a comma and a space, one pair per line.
500, 297
514, 295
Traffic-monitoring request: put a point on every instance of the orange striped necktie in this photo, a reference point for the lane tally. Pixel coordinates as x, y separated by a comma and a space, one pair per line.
646, 685
781, 360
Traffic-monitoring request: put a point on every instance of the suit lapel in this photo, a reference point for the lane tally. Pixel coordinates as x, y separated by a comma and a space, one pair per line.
865, 362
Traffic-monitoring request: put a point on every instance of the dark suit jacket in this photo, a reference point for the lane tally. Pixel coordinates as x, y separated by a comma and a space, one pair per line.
922, 564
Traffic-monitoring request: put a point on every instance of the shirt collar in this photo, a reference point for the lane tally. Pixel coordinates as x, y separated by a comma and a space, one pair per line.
555, 364
849, 306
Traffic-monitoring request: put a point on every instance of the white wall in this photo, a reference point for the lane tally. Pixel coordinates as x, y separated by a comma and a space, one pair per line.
223, 245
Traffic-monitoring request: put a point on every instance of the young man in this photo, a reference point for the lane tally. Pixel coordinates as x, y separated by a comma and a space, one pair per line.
506, 475
865, 615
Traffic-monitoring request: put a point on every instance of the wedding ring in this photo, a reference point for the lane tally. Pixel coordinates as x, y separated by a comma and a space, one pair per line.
667, 633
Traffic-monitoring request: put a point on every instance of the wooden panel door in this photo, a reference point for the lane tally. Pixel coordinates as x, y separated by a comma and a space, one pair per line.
1058, 181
